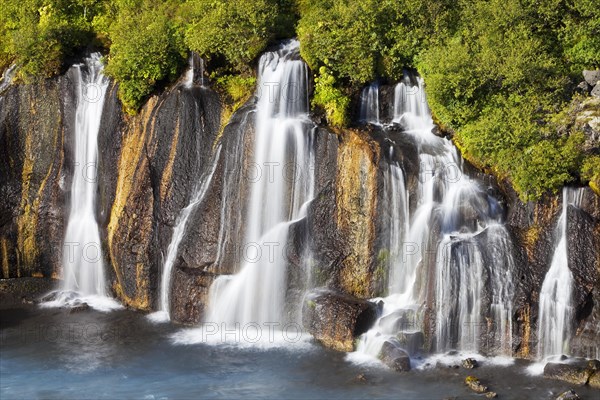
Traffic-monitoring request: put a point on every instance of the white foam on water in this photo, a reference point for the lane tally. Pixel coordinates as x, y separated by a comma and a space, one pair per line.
251, 336
65, 299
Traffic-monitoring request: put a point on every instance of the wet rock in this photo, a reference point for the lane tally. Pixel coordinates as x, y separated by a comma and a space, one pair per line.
189, 294
362, 378
32, 176
594, 381
491, 395
401, 320
475, 385
335, 319
593, 365
25, 300
394, 356
76, 308
16, 291
568, 395
470, 363
412, 342
591, 77
567, 372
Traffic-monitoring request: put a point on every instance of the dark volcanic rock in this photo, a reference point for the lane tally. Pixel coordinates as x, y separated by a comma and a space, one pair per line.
394, 356
567, 372
13, 291
336, 319
189, 291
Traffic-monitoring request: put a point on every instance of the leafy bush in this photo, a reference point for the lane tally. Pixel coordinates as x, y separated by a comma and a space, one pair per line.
39, 34
590, 172
331, 99
237, 87
235, 30
146, 48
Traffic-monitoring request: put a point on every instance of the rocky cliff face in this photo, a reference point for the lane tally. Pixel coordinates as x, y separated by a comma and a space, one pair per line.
149, 165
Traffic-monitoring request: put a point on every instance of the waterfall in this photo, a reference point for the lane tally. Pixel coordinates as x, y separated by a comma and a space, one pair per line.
556, 308
198, 194
194, 73
278, 197
369, 104
83, 264
7, 77
397, 212
470, 244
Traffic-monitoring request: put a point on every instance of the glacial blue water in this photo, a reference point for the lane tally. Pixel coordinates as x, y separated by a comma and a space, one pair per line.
52, 354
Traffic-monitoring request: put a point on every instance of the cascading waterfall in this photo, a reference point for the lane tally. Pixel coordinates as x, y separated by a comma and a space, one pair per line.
471, 235
83, 266
369, 104
198, 194
195, 71
7, 77
278, 196
556, 308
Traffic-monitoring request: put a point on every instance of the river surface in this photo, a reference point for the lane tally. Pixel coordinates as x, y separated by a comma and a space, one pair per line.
54, 354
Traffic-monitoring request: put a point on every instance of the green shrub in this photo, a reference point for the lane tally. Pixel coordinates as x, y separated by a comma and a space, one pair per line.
590, 172
39, 34
236, 87
235, 30
331, 99
146, 48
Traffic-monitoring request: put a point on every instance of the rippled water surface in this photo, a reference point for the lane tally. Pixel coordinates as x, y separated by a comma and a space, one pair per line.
51, 354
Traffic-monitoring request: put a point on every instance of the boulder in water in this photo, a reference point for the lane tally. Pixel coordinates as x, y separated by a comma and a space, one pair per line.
335, 319
394, 357
568, 395
475, 385
412, 342
470, 363
567, 372
79, 307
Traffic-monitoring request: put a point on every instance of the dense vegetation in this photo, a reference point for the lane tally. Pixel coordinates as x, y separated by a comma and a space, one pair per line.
500, 74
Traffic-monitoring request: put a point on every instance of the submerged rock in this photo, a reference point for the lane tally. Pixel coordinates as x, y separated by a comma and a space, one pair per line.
394, 356
475, 385
568, 395
470, 363
567, 372
335, 319
79, 308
